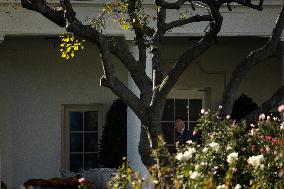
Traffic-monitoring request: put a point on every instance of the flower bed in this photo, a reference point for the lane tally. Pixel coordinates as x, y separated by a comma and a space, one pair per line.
58, 183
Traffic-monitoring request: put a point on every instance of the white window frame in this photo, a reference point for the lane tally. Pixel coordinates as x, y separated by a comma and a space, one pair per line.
187, 94
65, 130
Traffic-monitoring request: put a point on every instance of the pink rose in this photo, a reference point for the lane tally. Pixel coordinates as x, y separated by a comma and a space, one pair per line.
82, 180
275, 141
268, 138
281, 108
262, 150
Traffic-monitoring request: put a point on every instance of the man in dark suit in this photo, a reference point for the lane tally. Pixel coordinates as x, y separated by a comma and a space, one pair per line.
182, 131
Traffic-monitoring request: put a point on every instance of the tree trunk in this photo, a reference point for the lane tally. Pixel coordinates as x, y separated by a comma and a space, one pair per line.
144, 147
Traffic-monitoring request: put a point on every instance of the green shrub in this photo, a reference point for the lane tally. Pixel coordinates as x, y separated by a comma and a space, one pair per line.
114, 138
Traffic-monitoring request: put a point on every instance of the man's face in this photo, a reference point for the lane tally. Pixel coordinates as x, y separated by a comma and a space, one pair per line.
179, 125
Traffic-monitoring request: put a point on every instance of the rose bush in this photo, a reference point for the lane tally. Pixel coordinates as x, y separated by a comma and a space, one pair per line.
233, 155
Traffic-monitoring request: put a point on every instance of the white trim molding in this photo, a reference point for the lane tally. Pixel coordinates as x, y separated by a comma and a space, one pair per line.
145, 2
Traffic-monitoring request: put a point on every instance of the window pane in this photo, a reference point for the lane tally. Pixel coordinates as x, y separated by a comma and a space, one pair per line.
169, 131
76, 142
91, 142
181, 108
91, 161
76, 121
91, 121
168, 114
195, 105
76, 162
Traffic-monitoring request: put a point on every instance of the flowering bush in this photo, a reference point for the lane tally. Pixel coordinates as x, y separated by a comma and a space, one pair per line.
232, 156
71, 182
126, 176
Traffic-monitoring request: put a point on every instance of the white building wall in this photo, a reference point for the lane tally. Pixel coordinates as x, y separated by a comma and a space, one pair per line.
213, 68
34, 84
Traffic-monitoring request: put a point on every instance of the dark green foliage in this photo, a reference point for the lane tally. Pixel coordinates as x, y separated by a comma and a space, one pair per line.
3, 185
242, 106
114, 139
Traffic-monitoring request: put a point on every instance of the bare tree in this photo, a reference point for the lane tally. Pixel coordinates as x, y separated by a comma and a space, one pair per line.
150, 104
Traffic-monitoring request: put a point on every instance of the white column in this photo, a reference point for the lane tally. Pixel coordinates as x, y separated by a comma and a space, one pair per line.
133, 123
1, 41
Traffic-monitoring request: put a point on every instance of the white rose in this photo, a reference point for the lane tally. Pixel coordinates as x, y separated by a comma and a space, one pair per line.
275, 118
232, 157
223, 186
215, 146
238, 186
282, 126
261, 166
255, 161
155, 182
189, 153
179, 156
195, 175
189, 142
261, 117
205, 150
267, 148
229, 148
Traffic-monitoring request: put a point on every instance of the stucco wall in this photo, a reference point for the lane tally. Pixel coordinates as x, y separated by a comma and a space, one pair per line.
34, 83
214, 67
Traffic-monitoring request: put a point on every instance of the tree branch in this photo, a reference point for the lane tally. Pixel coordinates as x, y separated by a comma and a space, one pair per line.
162, 28
196, 50
177, 5
156, 51
272, 102
246, 3
109, 79
72, 24
128, 97
119, 47
254, 58
138, 32
54, 15
139, 76
167, 5
179, 23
